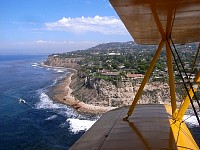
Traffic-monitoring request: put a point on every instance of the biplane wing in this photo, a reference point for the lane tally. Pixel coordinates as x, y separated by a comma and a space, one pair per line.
153, 126
148, 21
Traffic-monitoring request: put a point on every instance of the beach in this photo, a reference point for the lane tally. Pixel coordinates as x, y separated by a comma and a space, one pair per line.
61, 92
81, 99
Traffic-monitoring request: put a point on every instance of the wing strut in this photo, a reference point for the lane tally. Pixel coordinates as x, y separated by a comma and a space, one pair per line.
146, 77
165, 37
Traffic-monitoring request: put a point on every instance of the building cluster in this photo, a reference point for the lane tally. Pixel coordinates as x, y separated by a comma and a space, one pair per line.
118, 61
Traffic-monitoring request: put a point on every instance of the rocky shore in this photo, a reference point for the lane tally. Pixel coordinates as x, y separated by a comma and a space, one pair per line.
62, 92
65, 90
100, 95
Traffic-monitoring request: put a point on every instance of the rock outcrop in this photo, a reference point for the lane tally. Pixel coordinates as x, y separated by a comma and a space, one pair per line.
122, 96
63, 62
103, 93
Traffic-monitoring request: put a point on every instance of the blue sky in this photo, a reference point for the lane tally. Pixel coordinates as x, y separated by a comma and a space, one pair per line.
50, 26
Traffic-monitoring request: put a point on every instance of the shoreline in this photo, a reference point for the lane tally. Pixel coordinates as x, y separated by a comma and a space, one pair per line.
43, 65
61, 92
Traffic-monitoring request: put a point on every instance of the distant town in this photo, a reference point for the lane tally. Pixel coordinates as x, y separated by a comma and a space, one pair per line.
110, 74
116, 61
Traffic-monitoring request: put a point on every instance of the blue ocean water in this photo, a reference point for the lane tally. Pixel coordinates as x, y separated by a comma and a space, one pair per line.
41, 123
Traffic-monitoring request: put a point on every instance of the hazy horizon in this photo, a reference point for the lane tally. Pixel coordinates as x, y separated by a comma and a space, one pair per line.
61, 26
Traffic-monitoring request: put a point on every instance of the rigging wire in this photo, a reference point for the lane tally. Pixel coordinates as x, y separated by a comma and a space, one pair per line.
193, 65
195, 59
184, 82
189, 116
188, 79
182, 98
170, 31
192, 69
184, 69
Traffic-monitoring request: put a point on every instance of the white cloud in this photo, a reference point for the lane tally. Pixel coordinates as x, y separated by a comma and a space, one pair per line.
104, 25
110, 5
64, 42
62, 46
41, 42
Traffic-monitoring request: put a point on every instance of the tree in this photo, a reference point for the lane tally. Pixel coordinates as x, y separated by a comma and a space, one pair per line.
114, 66
128, 65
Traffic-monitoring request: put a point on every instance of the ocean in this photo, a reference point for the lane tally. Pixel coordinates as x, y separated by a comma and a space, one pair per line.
41, 123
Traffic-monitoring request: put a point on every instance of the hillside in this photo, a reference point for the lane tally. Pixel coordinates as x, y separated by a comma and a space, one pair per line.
102, 73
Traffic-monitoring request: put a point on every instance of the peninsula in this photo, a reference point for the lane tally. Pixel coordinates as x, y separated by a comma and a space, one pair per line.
108, 76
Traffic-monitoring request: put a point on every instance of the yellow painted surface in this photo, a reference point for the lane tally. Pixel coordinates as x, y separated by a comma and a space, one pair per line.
146, 77
150, 127
186, 101
181, 134
171, 77
153, 126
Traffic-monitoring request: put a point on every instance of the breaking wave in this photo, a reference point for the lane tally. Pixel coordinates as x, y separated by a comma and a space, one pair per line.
190, 118
76, 121
51, 117
77, 125
34, 64
46, 103
59, 70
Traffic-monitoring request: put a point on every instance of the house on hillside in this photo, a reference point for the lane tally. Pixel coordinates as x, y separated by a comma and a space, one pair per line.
114, 54
134, 78
110, 74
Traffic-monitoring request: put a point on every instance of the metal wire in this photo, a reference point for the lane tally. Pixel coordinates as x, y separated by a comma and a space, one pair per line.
189, 117
184, 81
191, 87
195, 59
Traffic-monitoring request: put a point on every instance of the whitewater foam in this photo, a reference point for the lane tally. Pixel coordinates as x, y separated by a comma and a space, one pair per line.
60, 71
51, 117
77, 122
80, 122
34, 64
64, 110
191, 120
77, 125
63, 125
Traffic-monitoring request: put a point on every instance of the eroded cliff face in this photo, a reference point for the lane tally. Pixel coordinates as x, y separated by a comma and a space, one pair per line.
104, 93
62, 62
156, 92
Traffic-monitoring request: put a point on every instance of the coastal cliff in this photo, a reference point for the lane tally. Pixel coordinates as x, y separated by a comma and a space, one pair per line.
57, 61
101, 93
